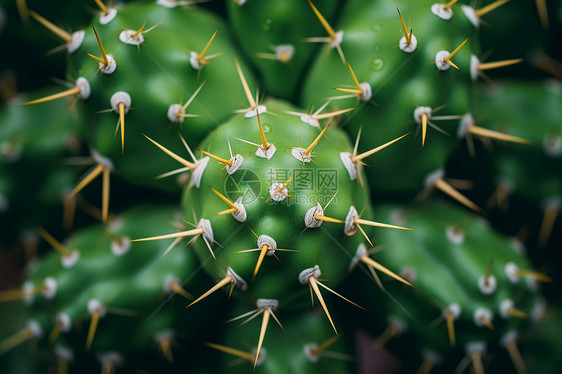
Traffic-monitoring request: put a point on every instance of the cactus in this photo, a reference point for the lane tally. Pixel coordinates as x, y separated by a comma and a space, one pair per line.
157, 76
482, 296
237, 163
101, 283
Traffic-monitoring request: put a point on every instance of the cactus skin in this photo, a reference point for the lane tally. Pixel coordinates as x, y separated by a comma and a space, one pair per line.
156, 75
130, 285
525, 185
447, 258
429, 85
261, 26
283, 221
288, 349
32, 141
400, 82
541, 343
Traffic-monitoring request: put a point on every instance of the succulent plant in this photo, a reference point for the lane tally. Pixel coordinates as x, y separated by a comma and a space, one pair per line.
278, 150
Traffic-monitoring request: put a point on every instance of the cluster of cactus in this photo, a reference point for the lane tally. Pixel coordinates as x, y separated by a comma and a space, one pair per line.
269, 149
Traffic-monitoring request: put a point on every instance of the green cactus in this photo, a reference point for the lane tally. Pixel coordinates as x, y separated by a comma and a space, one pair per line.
396, 83
274, 35
100, 282
476, 282
34, 139
242, 154
140, 66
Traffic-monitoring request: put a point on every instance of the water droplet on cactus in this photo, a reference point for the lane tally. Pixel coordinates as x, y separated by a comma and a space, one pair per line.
267, 25
377, 63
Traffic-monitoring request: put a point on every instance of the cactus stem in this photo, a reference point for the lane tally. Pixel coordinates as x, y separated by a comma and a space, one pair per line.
179, 159
516, 357
245, 355
66, 37
450, 4
375, 150
488, 8
372, 263
102, 7
223, 282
